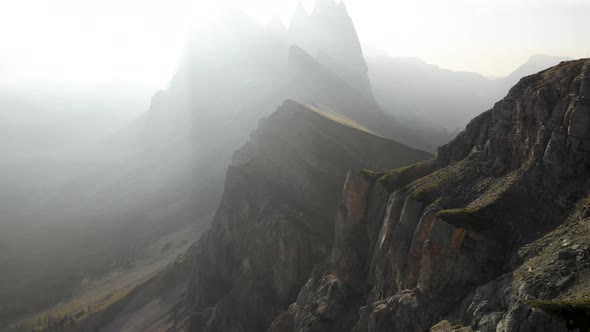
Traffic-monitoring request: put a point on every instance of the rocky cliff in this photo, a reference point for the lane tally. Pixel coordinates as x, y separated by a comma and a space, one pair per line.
275, 219
491, 235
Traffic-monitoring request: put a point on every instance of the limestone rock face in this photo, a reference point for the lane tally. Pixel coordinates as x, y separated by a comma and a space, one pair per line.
547, 114
275, 219
349, 254
471, 239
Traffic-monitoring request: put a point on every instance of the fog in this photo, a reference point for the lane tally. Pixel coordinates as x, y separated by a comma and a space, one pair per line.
119, 119
141, 41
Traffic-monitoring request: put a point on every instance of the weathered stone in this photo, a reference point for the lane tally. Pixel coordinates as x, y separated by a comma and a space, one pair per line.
579, 122
446, 326
349, 256
585, 82
565, 254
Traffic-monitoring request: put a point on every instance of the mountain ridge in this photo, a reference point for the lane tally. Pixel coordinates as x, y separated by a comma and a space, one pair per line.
292, 205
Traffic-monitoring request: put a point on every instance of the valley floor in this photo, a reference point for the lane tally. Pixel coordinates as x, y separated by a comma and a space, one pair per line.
96, 295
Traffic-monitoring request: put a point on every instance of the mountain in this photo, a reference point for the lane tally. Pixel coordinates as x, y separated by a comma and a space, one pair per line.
276, 27
273, 224
313, 82
329, 35
95, 233
491, 235
222, 87
164, 173
274, 221
436, 100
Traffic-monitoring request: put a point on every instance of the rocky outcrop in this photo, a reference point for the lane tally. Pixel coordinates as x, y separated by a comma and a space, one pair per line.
275, 220
475, 236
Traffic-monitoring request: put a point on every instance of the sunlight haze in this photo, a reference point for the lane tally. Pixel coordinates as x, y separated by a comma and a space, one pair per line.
294, 165
141, 41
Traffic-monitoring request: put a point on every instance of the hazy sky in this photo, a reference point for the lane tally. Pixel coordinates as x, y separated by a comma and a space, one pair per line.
139, 41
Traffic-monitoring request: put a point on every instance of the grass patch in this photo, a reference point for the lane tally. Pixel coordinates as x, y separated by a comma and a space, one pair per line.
469, 218
393, 175
575, 313
371, 174
433, 185
69, 316
338, 118
396, 178
438, 201
427, 187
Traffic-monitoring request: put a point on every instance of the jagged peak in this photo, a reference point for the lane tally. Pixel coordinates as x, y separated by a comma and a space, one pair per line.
342, 7
331, 8
325, 6
299, 15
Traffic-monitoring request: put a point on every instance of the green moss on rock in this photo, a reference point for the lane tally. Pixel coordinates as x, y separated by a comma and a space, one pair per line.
438, 201
397, 178
371, 174
469, 218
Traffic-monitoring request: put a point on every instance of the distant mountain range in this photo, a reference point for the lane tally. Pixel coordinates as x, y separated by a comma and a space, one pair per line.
424, 95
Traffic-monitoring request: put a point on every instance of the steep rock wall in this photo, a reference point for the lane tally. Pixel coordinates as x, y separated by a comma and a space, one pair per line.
275, 219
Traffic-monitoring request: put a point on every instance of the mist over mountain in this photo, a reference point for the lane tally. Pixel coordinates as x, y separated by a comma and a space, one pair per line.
170, 163
419, 94
328, 34
287, 180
